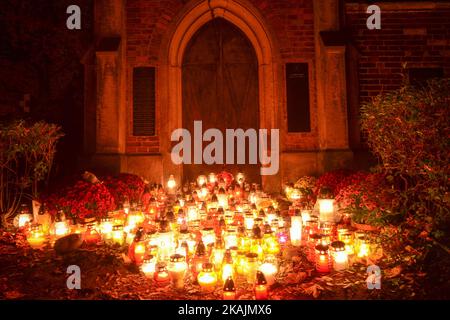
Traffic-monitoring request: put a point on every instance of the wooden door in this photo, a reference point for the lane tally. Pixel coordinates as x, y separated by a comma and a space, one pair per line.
220, 88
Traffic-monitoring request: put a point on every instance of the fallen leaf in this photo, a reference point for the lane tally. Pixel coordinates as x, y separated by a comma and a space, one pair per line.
314, 290
14, 294
394, 272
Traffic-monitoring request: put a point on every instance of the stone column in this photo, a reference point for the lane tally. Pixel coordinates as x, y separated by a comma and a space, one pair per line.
331, 88
110, 73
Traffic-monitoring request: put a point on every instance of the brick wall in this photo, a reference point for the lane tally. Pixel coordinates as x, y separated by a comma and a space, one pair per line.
417, 37
148, 21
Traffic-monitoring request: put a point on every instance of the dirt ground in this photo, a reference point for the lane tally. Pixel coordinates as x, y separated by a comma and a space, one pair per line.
107, 275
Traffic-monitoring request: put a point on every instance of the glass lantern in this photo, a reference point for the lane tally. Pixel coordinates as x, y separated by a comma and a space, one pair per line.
118, 235
36, 237
148, 266
269, 268
339, 255
322, 259
208, 236
270, 242
229, 290
61, 229
261, 290
177, 270
207, 278
313, 241
91, 236
24, 217
161, 276
106, 227
251, 267
311, 227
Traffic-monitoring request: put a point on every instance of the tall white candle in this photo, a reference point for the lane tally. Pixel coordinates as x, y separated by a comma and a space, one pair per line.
296, 230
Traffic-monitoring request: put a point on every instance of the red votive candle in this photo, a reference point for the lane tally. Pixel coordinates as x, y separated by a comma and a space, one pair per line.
261, 290
322, 259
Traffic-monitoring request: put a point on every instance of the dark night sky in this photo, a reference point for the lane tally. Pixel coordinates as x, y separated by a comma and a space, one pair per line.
41, 57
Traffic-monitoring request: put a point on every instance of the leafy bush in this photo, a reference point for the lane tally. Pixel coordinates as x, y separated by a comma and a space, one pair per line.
408, 130
26, 157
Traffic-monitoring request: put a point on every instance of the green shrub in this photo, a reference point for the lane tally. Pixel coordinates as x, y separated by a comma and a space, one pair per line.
408, 130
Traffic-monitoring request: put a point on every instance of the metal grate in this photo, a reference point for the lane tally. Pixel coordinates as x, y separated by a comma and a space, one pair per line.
144, 101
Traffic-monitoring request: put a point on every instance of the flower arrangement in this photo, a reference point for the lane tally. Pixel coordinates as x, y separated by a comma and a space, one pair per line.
83, 200
125, 186
306, 186
331, 182
366, 198
226, 176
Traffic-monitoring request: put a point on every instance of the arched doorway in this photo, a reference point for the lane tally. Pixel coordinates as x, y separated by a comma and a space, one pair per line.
245, 16
220, 88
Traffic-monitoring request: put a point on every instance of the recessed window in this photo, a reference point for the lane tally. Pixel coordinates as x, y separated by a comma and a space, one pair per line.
144, 101
297, 91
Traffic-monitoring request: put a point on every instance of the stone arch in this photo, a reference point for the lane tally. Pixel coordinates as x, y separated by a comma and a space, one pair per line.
195, 14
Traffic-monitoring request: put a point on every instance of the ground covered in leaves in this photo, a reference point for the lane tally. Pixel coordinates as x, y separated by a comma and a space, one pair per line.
107, 274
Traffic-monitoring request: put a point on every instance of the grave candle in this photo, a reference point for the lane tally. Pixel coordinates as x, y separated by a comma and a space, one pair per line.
148, 266
229, 290
227, 266
201, 180
296, 230
171, 184
339, 255
251, 266
230, 238
61, 229
139, 252
24, 219
36, 237
208, 236
269, 269
261, 291
177, 270
106, 227
207, 278
326, 209
118, 235
322, 259
161, 276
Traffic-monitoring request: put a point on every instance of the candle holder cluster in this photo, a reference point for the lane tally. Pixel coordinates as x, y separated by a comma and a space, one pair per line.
219, 232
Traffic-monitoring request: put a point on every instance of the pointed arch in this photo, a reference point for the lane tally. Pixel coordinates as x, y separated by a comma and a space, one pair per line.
196, 13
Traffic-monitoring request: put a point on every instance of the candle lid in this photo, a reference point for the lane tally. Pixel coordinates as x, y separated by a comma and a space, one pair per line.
36, 227
148, 259
338, 245
251, 255
118, 227
322, 249
177, 258
260, 278
201, 249
267, 229
161, 267
207, 267
316, 236
229, 285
